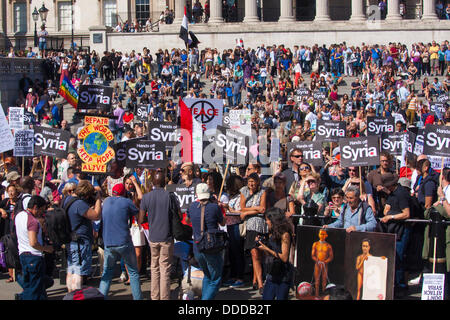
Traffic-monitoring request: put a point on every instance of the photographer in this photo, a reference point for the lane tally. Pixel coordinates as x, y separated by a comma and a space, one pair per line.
81, 215
277, 247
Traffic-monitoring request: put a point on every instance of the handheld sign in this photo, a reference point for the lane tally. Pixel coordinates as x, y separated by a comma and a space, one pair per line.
318, 95
437, 141
185, 195
312, 152
302, 92
238, 120
138, 153
7, 141
95, 151
16, 118
433, 286
442, 98
393, 142
330, 131
23, 143
419, 142
226, 145
376, 126
95, 97
359, 152
164, 131
28, 118
51, 142
208, 112
286, 113
142, 112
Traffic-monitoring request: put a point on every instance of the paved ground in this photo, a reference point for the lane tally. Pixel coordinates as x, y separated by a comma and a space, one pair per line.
120, 291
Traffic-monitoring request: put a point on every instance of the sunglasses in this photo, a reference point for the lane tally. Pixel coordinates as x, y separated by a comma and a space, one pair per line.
305, 169
298, 156
311, 182
352, 170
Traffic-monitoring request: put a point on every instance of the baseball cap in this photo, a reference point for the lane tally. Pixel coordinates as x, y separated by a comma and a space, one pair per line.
118, 189
405, 182
202, 191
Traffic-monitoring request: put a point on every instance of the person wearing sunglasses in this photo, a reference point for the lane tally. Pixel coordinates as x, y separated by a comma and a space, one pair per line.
366, 187
187, 175
293, 174
309, 191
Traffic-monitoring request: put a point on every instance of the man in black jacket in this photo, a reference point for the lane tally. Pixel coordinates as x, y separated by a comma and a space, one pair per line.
292, 174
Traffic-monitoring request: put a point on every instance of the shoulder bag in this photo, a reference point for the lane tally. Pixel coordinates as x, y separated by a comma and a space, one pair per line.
211, 242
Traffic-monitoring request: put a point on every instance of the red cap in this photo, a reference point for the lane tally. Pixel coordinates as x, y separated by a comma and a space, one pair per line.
118, 189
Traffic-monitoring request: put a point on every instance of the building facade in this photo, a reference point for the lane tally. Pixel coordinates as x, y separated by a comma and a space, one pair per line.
315, 19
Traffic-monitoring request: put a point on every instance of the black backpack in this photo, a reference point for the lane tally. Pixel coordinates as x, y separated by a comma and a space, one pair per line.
10, 240
11, 251
59, 229
180, 231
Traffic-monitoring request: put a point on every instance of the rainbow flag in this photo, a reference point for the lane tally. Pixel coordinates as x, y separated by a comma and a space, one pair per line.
68, 92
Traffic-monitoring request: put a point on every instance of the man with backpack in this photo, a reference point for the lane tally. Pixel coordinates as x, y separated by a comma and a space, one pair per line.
116, 213
31, 248
356, 215
157, 204
85, 207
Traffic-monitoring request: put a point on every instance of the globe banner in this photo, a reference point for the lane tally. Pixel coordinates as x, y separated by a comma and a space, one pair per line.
95, 151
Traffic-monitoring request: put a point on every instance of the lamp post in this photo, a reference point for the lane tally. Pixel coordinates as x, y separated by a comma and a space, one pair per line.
43, 11
35, 16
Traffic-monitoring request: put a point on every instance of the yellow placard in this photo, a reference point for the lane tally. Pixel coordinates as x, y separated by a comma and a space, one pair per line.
96, 120
93, 162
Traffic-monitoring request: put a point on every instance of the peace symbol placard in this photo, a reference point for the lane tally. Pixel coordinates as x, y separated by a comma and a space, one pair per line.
208, 112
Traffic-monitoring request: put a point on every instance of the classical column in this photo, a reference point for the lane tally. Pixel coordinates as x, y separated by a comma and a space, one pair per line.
215, 11
393, 10
429, 10
322, 10
251, 11
286, 11
357, 11
179, 11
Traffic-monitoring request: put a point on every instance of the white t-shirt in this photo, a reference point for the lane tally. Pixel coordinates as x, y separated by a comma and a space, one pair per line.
447, 193
27, 222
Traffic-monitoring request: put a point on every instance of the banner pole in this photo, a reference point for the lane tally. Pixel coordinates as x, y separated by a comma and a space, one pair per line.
442, 171
187, 66
23, 166
44, 173
434, 255
360, 181
223, 180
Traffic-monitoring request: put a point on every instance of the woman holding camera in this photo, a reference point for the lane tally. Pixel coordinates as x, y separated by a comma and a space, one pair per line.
277, 247
253, 206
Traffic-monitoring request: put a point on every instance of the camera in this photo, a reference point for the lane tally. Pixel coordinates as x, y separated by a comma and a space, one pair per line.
261, 239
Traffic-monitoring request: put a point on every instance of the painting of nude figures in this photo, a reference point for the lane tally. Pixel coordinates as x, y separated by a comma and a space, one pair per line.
370, 265
320, 257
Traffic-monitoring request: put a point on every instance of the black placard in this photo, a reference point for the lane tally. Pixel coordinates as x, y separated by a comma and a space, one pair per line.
442, 98
95, 97
225, 145
437, 141
376, 126
163, 131
138, 153
142, 112
312, 152
286, 113
185, 195
318, 95
51, 142
330, 131
393, 142
359, 152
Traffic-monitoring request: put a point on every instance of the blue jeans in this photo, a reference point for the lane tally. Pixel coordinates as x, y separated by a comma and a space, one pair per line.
236, 252
400, 248
380, 108
273, 290
212, 266
128, 254
237, 98
32, 279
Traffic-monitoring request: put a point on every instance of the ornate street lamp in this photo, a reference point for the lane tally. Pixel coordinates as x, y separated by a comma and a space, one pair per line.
35, 16
43, 11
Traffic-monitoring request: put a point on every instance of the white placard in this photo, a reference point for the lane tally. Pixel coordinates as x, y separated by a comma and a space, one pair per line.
374, 280
7, 140
24, 143
16, 118
433, 286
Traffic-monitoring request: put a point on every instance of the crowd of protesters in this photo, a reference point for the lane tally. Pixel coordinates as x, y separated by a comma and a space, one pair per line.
382, 81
